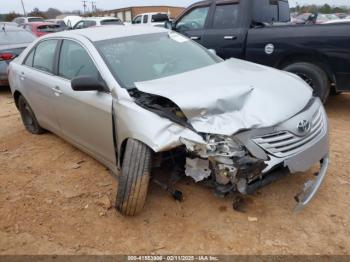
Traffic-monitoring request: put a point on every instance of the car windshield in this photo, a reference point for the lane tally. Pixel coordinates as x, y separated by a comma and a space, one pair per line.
15, 37
153, 56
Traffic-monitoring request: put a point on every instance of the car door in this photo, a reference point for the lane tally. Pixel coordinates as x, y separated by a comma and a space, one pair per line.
36, 79
192, 24
85, 117
224, 33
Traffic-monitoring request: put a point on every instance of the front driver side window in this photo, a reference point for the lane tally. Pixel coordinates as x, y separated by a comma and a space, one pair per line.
79, 25
75, 61
137, 20
194, 20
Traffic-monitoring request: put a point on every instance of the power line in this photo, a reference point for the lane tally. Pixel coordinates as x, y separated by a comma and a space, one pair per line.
24, 10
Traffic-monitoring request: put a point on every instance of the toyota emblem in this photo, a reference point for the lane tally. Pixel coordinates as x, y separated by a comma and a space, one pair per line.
304, 126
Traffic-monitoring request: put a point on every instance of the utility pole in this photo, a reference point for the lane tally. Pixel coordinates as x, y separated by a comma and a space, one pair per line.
93, 6
84, 5
24, 10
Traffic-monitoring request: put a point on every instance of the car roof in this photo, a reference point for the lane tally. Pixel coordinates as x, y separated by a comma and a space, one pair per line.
110, 32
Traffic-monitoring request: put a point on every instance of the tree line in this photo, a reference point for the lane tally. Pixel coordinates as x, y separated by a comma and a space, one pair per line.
324, 9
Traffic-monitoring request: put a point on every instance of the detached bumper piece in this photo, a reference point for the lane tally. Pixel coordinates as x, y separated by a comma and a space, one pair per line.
312, 186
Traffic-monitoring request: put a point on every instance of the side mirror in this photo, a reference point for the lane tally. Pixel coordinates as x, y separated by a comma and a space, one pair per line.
212, 51
169, 25
87, 83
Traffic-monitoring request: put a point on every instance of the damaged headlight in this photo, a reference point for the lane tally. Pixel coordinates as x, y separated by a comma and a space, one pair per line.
216, 145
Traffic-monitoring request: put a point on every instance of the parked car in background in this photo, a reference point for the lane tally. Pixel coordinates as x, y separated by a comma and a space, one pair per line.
152, 19
248, 30
42, 28
302, 18
59, 22
71, 20
97, 21
344, 20
24, 20
8, 24
341, 15
13, 40
127, 95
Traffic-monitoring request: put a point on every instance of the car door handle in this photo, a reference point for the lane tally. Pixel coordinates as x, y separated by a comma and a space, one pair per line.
230, 37
195, 37
57, 90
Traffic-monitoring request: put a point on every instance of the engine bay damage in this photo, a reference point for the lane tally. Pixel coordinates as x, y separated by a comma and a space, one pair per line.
223, 163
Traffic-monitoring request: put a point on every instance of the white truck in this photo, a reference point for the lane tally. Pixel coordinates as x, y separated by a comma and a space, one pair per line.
151, 19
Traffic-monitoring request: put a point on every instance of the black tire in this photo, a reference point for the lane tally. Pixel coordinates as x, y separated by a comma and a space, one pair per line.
28, 117
314, 76
134, 179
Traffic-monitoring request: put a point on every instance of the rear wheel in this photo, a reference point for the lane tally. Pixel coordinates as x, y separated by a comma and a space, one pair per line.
314, 76
28, 117
134, 180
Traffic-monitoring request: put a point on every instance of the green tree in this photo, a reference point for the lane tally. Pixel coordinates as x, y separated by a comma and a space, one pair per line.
10, 16
37, 12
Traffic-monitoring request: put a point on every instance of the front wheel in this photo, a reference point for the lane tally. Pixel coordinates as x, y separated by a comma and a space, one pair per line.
134, 179
314, 76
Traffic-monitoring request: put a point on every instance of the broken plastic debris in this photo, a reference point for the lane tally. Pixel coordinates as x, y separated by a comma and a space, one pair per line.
197, 168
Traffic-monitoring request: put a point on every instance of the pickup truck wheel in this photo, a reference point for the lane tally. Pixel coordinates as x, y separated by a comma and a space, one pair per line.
314, 76
28, 117
134, 180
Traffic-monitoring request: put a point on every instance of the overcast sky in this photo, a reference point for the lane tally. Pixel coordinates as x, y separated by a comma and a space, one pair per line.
15, 5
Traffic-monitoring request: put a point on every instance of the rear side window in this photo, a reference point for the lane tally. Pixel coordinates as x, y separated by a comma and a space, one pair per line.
160, 18
45, 55
75, 61
30, 58
226, 16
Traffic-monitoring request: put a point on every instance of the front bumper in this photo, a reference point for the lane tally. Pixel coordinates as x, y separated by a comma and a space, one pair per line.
286, 151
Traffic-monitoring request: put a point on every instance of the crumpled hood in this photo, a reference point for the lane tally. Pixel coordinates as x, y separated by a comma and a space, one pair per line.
233, 95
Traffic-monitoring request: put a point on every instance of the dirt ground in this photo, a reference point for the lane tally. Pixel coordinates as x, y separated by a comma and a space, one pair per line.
54, 199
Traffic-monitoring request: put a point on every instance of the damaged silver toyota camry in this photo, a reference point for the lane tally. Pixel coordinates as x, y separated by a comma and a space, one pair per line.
135, 97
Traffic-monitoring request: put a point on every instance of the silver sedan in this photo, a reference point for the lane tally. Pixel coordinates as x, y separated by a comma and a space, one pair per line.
135, 97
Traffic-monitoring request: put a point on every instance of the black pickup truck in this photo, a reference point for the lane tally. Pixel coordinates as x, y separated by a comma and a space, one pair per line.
259, 31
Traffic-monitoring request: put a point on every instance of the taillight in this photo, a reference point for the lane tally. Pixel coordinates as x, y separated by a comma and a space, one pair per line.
6, 56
